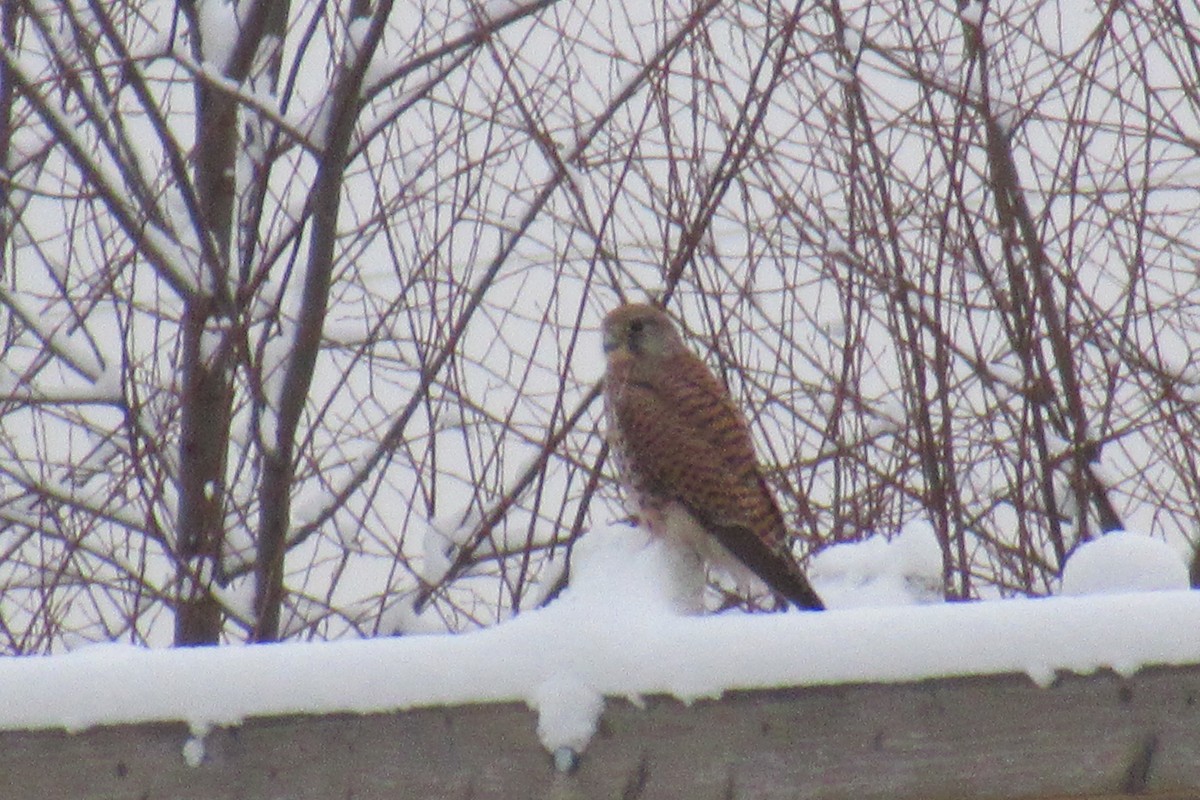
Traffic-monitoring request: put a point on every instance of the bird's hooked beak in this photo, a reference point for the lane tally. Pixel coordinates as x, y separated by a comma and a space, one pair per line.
611, 341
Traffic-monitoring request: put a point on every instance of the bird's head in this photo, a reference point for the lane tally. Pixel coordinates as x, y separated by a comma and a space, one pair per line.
640, 332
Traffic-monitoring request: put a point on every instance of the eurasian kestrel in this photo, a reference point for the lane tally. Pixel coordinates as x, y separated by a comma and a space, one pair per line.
686, 457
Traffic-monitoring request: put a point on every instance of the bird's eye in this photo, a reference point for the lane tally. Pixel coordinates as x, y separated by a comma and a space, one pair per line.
636, 326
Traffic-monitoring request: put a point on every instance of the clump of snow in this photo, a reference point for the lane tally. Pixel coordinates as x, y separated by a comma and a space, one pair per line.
904, 570
1007, 118
218, 21
627, 570
236, 596
357, 33
568, 712
438, 550
193, 748
1124, 561
887, 417
548, 581
836, 244
972, 13
496, 9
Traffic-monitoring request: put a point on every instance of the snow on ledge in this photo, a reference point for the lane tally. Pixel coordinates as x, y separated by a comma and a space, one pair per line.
617, 655
601, 639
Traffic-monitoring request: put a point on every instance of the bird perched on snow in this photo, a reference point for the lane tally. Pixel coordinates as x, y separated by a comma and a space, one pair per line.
686, 457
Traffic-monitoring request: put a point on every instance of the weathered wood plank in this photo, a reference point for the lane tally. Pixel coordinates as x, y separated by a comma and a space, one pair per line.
1099, 736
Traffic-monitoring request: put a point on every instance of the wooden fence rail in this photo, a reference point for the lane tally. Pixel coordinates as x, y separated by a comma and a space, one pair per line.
1097, 736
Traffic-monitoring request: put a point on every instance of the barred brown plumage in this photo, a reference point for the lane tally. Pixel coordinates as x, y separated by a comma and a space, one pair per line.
686, 456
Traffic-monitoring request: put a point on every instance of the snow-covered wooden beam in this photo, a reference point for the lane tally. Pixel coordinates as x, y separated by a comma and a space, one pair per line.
999, 736
609, 693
